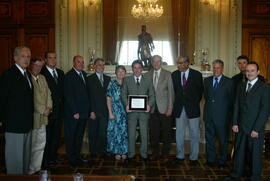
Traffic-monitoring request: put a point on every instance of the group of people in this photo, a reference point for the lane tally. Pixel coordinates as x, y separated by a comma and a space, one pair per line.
36, 98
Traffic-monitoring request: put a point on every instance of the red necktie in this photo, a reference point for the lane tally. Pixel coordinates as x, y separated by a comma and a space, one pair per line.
184, 81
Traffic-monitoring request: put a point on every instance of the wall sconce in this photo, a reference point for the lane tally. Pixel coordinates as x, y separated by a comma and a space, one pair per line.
91, 2
208, 2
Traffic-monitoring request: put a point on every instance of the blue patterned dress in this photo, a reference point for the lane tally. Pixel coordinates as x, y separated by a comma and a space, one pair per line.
117, 128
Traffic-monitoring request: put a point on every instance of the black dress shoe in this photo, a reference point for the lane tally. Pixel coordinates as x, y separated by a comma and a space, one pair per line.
222, 166
177, 160
209, 164
227, 178
154, 156
74, 164
82, 160
54, 162
194, 162
145, 159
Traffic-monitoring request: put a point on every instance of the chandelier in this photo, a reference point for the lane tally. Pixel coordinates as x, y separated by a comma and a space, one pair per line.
147, 9
91, 2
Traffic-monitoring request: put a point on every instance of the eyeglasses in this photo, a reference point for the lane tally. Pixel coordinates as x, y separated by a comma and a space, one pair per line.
180, 63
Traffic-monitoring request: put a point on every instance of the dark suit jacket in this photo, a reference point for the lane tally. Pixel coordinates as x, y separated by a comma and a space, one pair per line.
251, 110
98, 93
57, 91
16, 101
76, 95
191, 96
218, 102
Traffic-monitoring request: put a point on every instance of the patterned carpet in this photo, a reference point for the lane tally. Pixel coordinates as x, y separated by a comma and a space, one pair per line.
151, 170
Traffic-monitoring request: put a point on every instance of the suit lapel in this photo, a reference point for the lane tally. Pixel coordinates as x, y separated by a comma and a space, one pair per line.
254, 87
189, 78
161, 77
50, 75
178, 79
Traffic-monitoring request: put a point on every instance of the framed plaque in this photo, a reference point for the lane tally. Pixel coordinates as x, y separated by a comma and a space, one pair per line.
137, 102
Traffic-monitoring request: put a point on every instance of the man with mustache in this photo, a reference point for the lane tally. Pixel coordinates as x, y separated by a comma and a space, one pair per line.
16, 105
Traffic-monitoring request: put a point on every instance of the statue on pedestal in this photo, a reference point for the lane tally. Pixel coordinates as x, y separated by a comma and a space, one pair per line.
145, 47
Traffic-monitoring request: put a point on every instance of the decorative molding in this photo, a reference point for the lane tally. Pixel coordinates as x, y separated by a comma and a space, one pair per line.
36, 9
5, 9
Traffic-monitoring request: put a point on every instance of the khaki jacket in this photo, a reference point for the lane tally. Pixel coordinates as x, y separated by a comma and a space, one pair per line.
42, 100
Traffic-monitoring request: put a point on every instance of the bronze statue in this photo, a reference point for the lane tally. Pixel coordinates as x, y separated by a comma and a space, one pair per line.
145, 47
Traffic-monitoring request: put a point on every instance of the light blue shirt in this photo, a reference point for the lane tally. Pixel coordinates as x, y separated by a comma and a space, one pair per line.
214, 80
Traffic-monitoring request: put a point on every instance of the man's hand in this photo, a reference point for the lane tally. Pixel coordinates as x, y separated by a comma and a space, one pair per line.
76, 116
254, 134
93, 115
47, 111
168, 113
127, 109
235, 128
148, 108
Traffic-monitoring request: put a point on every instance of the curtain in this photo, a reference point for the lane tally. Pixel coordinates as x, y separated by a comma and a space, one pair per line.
110, 14
180, 21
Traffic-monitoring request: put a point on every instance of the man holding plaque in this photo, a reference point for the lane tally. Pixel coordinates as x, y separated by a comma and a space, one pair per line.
138, 97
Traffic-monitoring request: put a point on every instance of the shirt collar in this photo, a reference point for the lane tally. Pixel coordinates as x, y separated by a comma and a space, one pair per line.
99, 74
253, 81
219, 77
51, 70
186, 72
35, 77
77, 71
138, 77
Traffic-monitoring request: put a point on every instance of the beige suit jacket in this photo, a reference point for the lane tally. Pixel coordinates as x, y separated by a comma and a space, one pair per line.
42, 100
164, 93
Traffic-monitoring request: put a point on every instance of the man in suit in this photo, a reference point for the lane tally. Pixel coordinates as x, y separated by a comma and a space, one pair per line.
160, 118
188, 89
251, 111
218, 94
138, 84
98, 83
77, 109
42, 109
55, 80
242, 61
16, 105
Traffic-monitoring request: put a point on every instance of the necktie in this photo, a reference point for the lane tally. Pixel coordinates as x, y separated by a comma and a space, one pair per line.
137, 81
155, 80
37, 80
184, 81
26, 76
249, 87
101, 80
81, 75
216, 83
55, 77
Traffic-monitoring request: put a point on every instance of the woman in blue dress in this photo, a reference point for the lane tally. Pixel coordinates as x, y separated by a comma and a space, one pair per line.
117, 124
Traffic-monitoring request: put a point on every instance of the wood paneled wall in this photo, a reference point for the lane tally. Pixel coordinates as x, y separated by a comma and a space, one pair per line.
26, 22
256, 33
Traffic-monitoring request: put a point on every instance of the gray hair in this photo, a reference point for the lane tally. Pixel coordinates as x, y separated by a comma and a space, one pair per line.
157, 56
18, 50
219, 61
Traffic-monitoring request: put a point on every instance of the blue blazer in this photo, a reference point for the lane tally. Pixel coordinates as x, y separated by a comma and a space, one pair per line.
218, 102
